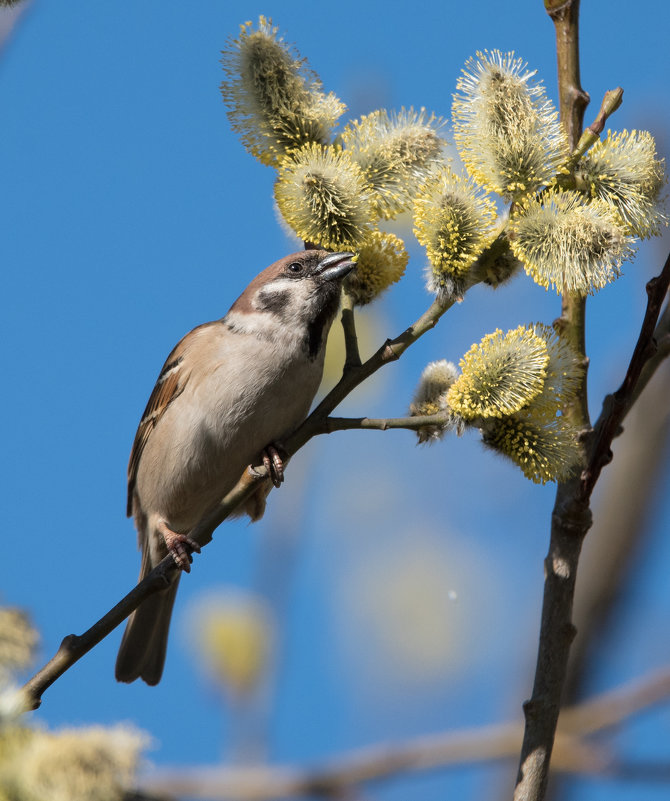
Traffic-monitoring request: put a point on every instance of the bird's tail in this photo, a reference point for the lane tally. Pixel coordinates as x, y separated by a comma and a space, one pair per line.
142, 651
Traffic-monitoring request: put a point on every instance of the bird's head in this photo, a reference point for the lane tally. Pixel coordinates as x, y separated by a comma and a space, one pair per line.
296, 296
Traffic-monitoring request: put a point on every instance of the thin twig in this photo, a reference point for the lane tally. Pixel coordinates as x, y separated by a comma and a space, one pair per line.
616, 405
611, 102
332, 424
353, 356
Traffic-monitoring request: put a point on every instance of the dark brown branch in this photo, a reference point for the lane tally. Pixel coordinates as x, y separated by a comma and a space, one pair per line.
621, 526
616, 406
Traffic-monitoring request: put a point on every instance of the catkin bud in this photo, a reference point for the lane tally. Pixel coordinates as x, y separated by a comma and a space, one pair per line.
430, 398
234, 639
87, 764
18, 640
506, 130
275, 101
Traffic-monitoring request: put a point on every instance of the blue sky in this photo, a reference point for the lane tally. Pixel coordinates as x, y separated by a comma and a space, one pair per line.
131, 213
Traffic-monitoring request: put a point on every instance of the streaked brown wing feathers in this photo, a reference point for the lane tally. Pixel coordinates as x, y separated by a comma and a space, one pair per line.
170, 385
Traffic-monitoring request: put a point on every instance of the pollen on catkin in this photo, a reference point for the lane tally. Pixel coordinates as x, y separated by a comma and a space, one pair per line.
275, 102
544, 450
324, 196
430, 399
396, 151
623, 170
454, 221
568, 242
500, 375
381, 261
506, 130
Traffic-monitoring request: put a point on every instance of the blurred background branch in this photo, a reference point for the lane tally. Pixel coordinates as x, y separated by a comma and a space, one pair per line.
573, 754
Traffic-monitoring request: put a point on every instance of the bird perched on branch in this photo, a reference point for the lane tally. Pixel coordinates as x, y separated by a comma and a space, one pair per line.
227, 394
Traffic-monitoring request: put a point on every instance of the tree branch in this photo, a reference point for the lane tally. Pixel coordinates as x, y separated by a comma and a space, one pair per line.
616, 406
332, 424
570, 522
482, 744
571, 517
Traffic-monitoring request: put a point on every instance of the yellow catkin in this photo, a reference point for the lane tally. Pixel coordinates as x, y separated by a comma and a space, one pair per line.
506, 129
566, 241
324, 197
275, 102
381, 262
624, 171
500, 375
545, 451
453, 220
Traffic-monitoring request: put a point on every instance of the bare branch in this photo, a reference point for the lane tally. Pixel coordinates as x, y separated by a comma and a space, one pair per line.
384, 423
481, 744
616, 406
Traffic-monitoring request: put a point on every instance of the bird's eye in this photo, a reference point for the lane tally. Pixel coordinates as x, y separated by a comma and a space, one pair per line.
295, 267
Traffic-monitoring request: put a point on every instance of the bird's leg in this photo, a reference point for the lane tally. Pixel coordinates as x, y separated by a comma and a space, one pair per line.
274, 464
179, 545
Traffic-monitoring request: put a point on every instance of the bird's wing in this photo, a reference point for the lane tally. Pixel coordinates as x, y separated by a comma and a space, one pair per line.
170, 384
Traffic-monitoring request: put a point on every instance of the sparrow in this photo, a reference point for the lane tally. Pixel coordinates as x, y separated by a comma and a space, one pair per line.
229, 392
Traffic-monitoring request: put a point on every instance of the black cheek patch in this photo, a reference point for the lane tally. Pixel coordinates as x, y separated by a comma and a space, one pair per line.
275, 302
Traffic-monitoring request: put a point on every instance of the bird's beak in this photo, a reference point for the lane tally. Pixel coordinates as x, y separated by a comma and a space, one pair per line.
336, 265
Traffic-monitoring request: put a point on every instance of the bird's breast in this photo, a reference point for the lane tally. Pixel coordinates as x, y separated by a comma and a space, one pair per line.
252, 396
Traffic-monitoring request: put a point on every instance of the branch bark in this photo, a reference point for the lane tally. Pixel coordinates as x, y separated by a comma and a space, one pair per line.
571, 517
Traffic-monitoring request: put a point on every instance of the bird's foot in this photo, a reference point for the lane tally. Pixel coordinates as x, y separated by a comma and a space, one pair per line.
274, 464
180, 546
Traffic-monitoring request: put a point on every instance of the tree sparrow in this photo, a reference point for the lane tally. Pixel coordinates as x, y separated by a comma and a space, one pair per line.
228, 391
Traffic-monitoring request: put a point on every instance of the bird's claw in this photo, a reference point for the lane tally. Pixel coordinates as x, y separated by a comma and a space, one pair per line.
181, 548
274, 464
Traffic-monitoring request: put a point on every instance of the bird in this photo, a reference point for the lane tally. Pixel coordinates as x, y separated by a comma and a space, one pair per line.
227, 395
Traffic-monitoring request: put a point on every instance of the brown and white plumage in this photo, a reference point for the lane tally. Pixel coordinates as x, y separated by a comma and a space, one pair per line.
227, 391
